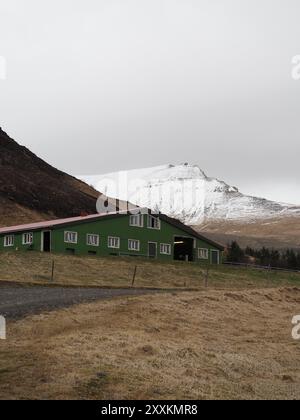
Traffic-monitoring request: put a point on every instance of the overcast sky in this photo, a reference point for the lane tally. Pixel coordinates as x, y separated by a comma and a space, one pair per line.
95, 86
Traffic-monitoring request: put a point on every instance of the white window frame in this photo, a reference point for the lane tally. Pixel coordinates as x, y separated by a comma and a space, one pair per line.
95, 239
203, 253
8, 241
132, 248
150, 217
136, 220
113, 245
67, 241
163, 250
27, 238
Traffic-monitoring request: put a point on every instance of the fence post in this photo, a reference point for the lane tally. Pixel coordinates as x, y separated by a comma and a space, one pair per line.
134, 275
52, 272
206, 278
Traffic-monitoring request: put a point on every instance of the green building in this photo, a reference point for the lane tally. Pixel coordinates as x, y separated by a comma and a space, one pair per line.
120, 234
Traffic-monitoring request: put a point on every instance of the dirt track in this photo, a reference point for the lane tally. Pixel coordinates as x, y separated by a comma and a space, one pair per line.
17, 301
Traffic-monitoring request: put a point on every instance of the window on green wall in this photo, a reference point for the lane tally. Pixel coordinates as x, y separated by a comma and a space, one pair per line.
203, 253
92, 240
153, 222
165, 249
9, 240
71, 237
113, 242
136, 220
27, 238
133, 245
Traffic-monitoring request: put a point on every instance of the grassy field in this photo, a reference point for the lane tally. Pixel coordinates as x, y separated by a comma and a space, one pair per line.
231, 340
36, 268
214, 344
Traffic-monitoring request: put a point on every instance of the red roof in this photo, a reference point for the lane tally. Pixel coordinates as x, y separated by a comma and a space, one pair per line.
56, 222
61, 222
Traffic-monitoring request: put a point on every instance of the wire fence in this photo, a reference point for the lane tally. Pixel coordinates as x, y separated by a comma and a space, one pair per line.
39, 268
261, 267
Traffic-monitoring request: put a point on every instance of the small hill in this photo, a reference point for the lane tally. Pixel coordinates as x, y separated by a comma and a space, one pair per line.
279, 233
32, 190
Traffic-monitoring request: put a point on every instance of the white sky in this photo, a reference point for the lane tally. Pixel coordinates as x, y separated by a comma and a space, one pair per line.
95, 86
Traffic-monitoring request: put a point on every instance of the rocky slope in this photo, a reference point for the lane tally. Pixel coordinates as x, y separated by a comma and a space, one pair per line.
32, 190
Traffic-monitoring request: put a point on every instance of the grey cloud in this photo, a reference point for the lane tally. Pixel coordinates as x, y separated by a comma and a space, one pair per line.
101, 85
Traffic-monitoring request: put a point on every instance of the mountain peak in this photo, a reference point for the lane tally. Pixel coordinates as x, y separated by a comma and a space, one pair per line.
176, 172
185, 192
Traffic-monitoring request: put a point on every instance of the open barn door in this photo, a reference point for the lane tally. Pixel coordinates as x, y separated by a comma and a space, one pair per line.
183, 249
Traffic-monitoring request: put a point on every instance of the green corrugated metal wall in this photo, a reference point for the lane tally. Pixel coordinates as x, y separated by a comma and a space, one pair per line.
116, 226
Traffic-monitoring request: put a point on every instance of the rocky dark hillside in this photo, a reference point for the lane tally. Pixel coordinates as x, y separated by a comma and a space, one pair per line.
32, 190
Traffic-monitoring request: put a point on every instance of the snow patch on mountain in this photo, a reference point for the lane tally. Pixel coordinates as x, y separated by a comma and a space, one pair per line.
187, 193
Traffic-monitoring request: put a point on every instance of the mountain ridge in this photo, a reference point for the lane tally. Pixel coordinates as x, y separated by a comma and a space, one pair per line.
223, 213
32, 190
187, 193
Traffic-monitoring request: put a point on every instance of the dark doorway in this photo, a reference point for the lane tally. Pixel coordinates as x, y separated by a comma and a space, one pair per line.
47, 241
183, 249
152, 249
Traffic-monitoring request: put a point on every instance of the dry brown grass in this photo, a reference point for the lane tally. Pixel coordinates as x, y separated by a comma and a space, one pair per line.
34, 267
204, 345
13, 213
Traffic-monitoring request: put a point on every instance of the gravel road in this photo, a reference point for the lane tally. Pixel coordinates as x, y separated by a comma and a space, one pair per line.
18, 301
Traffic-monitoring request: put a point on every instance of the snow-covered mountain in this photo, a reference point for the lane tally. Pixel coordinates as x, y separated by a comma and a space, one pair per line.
187, 193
